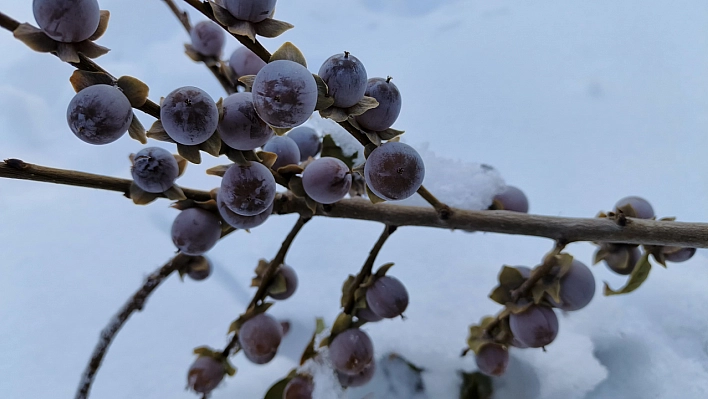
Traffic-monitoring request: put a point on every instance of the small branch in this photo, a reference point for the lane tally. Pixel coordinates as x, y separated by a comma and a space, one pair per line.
135, 303
636, 231
17, 169
255, 46
269, 274
85, 64
368, 266
443, 210
549, 261
214, 69
276, 262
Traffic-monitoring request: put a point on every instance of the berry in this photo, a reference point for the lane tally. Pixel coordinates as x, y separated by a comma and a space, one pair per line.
394, 171
99, 114
68, 21
346, 80
327, 180
189, 115
195, 231
154, 169
389, 98
284, 94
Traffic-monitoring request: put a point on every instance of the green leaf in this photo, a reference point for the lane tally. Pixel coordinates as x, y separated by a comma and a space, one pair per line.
383, 269
270, 28
190, 153
278, 285
511, 277
500, 295
136, 130
331, 149
638, 276
373, 197
343, 322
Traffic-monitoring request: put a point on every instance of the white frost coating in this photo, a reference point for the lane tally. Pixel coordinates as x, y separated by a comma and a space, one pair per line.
394, 379
459, 184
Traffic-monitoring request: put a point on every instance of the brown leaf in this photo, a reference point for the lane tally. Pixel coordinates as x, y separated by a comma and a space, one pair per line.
102, 25
34, 38
290, 52
270, 27
134, 89
190, 153
82, 79
136, 130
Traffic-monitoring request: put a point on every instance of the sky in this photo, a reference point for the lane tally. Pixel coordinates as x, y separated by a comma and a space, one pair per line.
578, 103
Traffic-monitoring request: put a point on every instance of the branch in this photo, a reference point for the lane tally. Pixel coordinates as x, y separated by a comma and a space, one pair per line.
255, 46
636, 231
214, 69
269, 274
367, 267
86, 64
135, 303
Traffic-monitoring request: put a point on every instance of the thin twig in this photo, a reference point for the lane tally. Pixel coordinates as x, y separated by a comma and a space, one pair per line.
368, 266
214, 69
565, 229
134, 304
269, 274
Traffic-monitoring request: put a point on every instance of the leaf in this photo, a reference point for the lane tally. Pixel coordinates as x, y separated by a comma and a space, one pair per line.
323, 99
219, 170
500, 295
331, 149
334, 113
136, 130
235, 156
243, 28
270, 27
278, 285
362, 106
190, 153
310, 351
638, 276
383, 269
134, 89
141, 197
277, 390
157, 132
213, 145
373, 197
35, 38
181, 164
311, 204
247, 81
475, 386
374, 138
102, 25
290, 52
175, 193
390, 134
82, 79
295, 185
221, 14
280, 130
346, 289
511, 277
90, 49
343, 322
267, 158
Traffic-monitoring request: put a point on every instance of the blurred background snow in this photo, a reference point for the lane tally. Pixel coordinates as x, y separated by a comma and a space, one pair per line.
578, 103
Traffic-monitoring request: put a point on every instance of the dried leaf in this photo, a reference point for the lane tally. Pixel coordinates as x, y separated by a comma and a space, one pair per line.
311, 204
243, 28
323, 99
374, 138
157, 132
141, 197
235, 156
102, 25
267, 158
175, 193
638, 276
290, 52
90, 49
383, 269
190, 153
270, 27
136, 130
222, 15
390, 134
373, 197
212, 146
362, 106
181, 164
192, 53
334, 113
295, 185
82, 79
280, 130
247, 81
218, 170
34, 38
134, 89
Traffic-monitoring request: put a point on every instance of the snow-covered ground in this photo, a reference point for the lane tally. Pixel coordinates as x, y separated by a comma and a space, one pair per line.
578, 103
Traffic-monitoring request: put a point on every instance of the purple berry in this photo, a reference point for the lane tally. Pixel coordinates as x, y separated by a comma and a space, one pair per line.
245, 62
250, 10
492, 359
535, 327
387, 298
394, 171
634, 206
351, 351
68, 21
389, 98
240, 127
154, 169
260, 337
205, 374
346, 80
284, 94
307, 140
512, 199
290, 283
99, 114
189, 115
195, 231
327, 180
285, 148
248, 190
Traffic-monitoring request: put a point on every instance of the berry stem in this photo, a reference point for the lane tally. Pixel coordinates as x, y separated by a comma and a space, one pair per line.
367, 268
183, 17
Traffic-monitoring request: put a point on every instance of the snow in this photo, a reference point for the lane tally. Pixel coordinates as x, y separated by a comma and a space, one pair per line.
577, 103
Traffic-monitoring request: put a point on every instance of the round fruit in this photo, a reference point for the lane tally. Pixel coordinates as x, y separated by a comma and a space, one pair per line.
351, 351
154, 169
346, 80
245, 62
68, 21
535, 327
189, 115
492, 359
394, 171
290, 283
285, 148
634, 206
208, 38
260, 337
307, 140
284, 94
205, 374
327, 180
387, 298
99, 114
248, 190
389, 98
240, 127
195, 231
511, 199
250, 10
